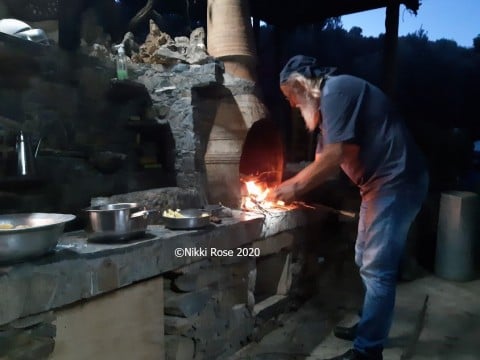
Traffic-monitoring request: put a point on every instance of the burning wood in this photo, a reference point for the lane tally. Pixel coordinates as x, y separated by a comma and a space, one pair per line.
257, 197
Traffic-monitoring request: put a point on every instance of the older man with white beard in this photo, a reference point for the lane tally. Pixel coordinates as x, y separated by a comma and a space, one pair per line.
363, 134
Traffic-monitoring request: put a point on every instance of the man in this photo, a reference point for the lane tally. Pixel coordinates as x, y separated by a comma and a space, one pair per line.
361, 132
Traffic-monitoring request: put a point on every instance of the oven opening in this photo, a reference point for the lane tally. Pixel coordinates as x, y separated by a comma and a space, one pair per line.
261, 166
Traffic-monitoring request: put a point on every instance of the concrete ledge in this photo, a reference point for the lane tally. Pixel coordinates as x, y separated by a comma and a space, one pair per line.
79, 270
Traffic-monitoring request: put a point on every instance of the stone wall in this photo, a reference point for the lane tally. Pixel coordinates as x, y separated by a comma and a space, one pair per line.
101, 137
207, 307
216, 306
93, 329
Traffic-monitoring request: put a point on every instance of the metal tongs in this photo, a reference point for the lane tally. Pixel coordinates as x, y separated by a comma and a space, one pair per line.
347, 214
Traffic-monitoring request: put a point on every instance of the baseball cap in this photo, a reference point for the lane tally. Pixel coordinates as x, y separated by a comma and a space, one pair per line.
306, 66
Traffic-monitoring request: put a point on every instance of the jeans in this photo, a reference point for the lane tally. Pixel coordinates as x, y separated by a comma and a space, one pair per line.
383, 227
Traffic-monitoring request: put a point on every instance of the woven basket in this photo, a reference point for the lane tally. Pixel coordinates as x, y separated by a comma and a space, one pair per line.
229, 32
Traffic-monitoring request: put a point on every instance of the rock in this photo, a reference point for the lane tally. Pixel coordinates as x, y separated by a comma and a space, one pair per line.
186, 304
129, 44
175, 325
194, 281
159, 48
179, 348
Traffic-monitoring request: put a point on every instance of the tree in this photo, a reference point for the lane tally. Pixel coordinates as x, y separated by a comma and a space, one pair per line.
476, 43
355, 32
333, 23
421, 34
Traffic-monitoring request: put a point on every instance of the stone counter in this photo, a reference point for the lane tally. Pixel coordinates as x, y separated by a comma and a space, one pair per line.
79, 270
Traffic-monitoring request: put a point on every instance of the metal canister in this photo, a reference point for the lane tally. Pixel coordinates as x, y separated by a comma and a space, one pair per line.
458, 248
25, 157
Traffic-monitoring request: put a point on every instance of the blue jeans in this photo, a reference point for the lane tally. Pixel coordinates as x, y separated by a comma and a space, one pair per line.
382, 232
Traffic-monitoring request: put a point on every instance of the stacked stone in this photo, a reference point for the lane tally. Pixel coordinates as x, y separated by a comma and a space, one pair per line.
211, 309
208, 310
171, 92
32, 337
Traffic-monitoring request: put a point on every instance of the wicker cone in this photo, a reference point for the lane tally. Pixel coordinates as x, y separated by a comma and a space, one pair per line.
230, 36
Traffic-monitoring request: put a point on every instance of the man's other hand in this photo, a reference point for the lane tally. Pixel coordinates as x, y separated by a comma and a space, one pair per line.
286, 192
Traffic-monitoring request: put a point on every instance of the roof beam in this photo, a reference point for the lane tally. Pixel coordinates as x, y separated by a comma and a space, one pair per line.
288, 13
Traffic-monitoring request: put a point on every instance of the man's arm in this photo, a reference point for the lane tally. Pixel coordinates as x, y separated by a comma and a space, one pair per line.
325, 165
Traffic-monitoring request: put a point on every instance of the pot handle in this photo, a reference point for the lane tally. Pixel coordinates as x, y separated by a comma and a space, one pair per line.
145, 213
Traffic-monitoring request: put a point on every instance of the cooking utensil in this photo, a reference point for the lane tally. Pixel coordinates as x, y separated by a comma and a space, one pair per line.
347, 214
31, 235
218, 210
116, 222
25, 156
192, 219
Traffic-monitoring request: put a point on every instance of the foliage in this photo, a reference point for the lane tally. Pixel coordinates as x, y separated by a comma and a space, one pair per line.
333, 23
476, 43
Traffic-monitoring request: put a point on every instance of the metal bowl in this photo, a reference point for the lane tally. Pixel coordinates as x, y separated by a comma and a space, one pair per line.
193, 219
40, 235
116, 222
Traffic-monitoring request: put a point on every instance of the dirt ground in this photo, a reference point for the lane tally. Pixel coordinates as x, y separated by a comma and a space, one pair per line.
447, 328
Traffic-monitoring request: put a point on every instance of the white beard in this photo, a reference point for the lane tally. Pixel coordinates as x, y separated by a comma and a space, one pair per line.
310, 114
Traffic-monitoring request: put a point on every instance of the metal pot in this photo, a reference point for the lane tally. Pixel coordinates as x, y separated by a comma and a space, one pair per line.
116, 222
32, 235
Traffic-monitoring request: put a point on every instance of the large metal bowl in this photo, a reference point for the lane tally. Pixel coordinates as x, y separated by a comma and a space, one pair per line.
40, 235
116, 222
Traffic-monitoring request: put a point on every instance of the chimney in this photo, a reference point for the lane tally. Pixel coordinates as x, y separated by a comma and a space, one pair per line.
230, 39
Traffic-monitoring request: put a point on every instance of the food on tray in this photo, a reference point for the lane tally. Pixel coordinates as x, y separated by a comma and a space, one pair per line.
10, 226
18, 227
178, 215
6, 226
173, 214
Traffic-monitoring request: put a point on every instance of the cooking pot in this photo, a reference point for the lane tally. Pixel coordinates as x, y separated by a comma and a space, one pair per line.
25, 236
116, 222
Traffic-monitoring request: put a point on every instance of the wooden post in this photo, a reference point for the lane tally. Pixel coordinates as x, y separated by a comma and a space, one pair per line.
69, 23
256, 30
282, 113
390, 47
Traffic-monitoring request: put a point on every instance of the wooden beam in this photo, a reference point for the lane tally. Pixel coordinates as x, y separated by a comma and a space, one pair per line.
256, 30
390, 47
285, 13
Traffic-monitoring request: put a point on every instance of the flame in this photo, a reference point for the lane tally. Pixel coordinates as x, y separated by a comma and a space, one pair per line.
257, 197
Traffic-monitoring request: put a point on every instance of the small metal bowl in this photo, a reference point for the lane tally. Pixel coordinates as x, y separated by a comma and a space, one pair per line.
193, 219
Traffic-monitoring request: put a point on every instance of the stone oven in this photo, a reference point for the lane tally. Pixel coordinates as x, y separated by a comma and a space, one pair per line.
244, 142
221, 130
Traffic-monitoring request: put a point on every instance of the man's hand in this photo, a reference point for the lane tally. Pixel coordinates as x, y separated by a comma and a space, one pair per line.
286, 191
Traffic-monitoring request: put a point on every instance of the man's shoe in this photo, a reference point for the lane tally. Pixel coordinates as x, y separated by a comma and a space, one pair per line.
346, 333
352, 354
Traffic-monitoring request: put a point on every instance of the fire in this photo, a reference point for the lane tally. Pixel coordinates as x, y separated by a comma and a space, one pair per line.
257, 198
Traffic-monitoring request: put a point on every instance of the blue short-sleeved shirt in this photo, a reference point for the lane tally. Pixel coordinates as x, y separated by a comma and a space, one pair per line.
357, 112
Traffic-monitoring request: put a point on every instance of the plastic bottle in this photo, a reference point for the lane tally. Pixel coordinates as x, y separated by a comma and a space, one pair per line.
122, 72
